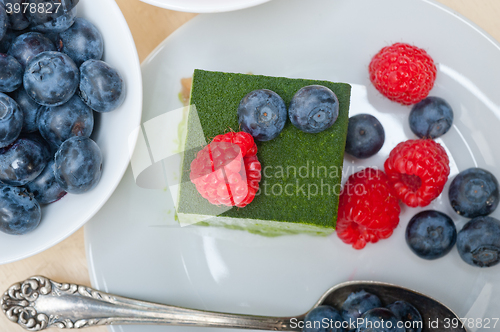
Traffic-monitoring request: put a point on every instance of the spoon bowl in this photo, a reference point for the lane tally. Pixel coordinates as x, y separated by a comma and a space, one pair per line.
432, 311
39, 303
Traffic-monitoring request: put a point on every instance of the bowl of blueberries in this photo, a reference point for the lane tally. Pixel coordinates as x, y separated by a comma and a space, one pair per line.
70, 99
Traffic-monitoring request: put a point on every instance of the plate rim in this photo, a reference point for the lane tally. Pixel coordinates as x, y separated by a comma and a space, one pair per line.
195, 20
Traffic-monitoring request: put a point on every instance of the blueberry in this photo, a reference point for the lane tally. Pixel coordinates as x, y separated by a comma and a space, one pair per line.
17, 19
47, 152
314, 108
57, 124
26, 46
60, 24
11, 73
365, 136
262, 114
78, 165
7, 40
51, 78
101, 87
20, 213
52, 36
81, 42
4, 21
357, 304
431, 234
21, 162
51, 10
29, 108
45, 187
408, 314
323, 318
431, 117
474, 192
380, 320
478, 242
11, 120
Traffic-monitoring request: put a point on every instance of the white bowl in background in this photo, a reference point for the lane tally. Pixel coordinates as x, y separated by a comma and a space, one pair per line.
204, 6
111, 132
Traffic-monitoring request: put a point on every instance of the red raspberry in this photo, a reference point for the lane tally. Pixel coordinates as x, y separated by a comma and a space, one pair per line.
403, 73
242, 139
227, 171
418, 170
368, 209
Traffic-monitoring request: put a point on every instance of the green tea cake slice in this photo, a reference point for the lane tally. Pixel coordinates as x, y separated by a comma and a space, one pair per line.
301, 172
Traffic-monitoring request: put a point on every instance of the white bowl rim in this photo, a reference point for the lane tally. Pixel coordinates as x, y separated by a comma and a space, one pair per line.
187, 6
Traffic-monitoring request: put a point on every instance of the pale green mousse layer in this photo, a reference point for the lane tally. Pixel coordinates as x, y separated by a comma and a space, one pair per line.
262, 227
301, 172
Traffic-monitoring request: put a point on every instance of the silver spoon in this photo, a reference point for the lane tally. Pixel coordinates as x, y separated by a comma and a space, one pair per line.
39, 303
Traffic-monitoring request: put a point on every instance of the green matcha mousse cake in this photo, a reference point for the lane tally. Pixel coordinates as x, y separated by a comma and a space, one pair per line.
301, 172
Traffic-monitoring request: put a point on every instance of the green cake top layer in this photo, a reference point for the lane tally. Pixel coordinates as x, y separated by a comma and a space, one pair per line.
301, 172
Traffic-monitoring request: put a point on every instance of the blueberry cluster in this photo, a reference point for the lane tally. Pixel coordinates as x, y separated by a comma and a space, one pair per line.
262, 113
52, 79
363, 312
473, 193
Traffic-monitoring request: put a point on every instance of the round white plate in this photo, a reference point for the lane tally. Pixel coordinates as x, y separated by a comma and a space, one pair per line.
111, 132
204, 6
135, 247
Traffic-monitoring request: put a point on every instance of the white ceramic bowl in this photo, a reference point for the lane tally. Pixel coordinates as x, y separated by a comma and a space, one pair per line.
204, 6
111, 132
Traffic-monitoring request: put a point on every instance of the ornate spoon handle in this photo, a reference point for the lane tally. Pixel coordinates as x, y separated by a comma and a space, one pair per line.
39, 303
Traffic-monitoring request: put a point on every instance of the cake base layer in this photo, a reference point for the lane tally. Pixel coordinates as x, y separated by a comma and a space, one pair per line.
262, 227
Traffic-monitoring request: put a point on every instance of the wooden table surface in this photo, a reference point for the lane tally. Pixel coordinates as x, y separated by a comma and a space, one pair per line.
150, 25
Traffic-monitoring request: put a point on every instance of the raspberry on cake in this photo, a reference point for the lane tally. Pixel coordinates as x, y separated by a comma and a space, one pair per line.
403, 73
368, 209
227, 171
418, 170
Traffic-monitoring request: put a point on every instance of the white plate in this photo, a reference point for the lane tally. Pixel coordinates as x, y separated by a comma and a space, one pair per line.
134, 247
111, 132
204, 6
